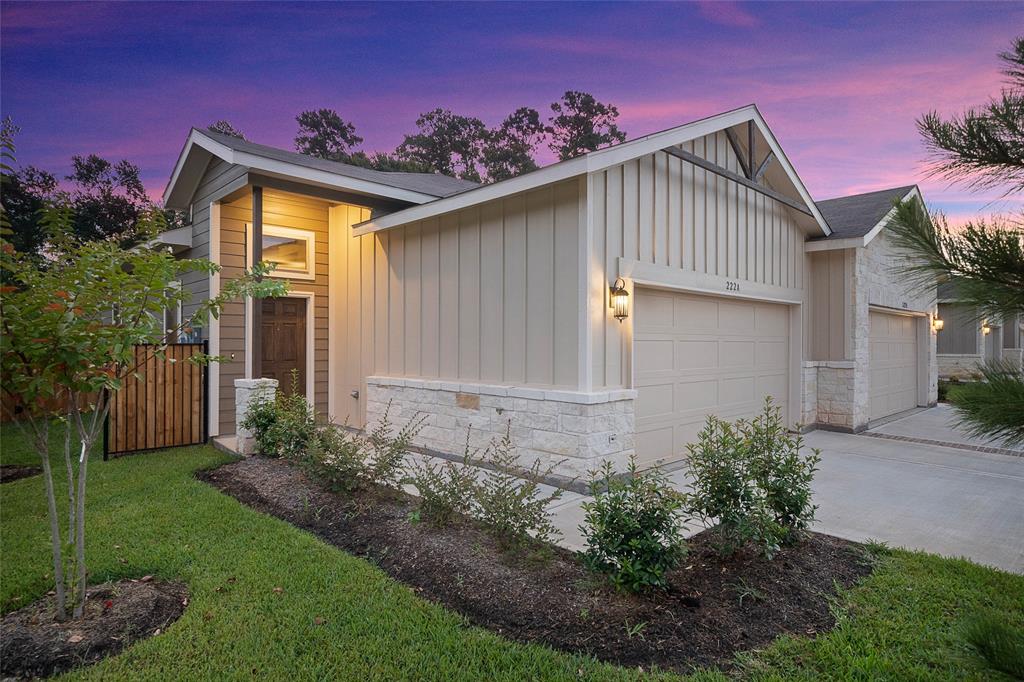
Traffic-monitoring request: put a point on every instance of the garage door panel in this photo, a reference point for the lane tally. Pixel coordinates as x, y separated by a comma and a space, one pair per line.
695, 314
696, 354
654, 356
728, 356
772, 354
695, 395
736, 354
892, 350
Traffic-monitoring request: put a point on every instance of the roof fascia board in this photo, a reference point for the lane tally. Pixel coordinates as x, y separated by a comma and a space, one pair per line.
524, 183
833, 244
873, 232
286, 170
597, 161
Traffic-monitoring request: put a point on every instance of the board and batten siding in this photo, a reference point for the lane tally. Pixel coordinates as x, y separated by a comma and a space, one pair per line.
831, 304
285, 210
488, 294
663, 211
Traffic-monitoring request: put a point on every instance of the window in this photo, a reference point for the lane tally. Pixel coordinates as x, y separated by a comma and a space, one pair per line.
291, 250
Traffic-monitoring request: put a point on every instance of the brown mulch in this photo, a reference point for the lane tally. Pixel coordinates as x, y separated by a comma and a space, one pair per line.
118, 614
714, 608
14, 472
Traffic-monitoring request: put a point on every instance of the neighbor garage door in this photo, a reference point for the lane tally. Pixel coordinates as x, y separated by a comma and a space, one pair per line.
893, 376
699, 355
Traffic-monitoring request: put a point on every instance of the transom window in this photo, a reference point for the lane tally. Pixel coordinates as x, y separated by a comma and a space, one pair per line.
291, 250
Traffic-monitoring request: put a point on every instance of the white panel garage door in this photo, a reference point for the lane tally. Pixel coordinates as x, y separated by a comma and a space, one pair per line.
893, 376
699, 355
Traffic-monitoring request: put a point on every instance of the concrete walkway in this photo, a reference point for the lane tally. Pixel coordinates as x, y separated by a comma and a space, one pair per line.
939, 499
939, 424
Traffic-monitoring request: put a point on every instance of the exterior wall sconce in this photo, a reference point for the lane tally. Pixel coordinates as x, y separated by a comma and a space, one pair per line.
618, 300
985, 329
938, 323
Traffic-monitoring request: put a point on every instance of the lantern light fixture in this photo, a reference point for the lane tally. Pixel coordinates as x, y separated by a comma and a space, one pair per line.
938, 323
618, 300
985, 328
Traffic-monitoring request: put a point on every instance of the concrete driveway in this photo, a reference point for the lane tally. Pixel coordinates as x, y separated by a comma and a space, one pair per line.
943, 500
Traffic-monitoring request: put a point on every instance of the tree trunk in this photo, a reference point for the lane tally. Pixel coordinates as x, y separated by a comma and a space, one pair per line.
43, 447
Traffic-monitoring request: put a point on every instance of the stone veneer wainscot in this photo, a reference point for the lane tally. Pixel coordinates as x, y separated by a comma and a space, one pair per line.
571, 430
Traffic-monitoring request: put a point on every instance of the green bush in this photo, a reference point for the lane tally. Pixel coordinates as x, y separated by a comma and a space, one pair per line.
284, 426
751, 478
998, 642
337, 457
632, 527
508, 500
387, 451
445, 490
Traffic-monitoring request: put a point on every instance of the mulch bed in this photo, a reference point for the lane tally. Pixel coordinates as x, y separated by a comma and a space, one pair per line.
32, 644
714, 608
14, 472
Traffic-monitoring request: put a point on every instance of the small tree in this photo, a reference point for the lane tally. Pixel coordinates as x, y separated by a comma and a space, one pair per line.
982, 148
225, 128
508, 149
70, 323
446, 143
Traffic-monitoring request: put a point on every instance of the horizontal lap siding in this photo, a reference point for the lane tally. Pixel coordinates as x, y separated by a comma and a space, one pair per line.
664, 211
488, 294
284, 210
218, 175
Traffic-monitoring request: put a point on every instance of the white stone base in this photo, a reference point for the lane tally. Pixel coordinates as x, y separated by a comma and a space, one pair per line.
573, 432
832, 388
963, 367
248, 391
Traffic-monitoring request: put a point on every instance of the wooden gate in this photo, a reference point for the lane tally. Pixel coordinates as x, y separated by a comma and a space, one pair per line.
164, 407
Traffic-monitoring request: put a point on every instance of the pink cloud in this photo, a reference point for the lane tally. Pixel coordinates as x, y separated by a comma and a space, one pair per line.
727, 14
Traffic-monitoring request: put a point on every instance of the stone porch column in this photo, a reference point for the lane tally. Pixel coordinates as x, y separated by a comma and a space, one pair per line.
247, 392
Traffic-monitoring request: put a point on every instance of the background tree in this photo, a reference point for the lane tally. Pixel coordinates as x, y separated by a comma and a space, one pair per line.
108, 198
225, 128
582, 124
325, 134
984, 146
68, 330
980, 148
509, 148
446, 143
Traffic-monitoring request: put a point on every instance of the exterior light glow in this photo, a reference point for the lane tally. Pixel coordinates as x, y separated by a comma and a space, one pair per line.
938, 323
985, 329
618, 300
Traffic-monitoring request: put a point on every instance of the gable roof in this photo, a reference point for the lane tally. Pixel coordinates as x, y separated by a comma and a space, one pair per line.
201, 145
856, 220
605, 158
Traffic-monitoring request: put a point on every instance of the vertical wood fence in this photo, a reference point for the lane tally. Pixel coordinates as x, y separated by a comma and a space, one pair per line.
164, 407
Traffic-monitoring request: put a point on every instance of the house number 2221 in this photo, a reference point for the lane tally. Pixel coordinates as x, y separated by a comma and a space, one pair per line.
732, 286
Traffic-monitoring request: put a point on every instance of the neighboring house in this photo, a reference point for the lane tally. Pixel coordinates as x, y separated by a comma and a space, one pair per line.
483, 306
967, 339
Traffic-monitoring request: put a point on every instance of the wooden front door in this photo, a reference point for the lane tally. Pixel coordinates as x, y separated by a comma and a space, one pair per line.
284, 342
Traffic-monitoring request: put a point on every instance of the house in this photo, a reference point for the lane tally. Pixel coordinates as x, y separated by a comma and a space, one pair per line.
601, 307
968, 339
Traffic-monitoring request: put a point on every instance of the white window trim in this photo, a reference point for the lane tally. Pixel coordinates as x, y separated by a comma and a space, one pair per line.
280, 231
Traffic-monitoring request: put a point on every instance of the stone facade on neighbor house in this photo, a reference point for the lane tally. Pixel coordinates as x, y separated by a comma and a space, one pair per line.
571, 432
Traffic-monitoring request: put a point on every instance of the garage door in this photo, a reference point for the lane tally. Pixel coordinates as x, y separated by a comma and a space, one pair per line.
893, 376
699, 355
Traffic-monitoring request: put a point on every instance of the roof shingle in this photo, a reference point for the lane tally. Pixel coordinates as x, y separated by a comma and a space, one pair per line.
854, 216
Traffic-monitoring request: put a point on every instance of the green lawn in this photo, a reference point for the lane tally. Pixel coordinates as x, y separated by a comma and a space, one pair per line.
147, 515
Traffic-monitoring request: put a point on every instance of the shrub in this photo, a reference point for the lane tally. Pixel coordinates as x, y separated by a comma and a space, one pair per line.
998, 642
284, 426
337, 457
509, 500
752, 479
632, 527
387, 452
446, 490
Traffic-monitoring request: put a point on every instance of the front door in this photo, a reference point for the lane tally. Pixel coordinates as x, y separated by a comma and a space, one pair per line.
284, 342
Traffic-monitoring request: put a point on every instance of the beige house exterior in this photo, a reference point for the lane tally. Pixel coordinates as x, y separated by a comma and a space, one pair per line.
487, 307
969, 339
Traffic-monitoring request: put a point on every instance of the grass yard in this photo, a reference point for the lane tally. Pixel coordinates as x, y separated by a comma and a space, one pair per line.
339, 617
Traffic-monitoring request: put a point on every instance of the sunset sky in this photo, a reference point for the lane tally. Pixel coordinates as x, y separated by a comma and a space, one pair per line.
840, 83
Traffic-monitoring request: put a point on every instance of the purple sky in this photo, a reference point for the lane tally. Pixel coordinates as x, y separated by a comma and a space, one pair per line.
840, 83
